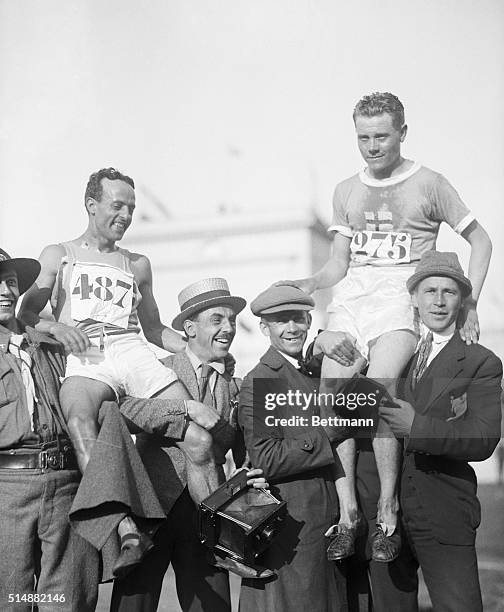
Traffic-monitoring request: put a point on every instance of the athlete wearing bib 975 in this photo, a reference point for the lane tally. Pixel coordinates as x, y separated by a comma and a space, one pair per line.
384, 219
100, 295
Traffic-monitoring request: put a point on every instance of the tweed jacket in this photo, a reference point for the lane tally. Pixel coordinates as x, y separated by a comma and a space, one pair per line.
457, 420
164, 461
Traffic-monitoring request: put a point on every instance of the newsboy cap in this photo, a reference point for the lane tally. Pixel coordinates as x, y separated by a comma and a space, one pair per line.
26, 269
278, 299
436, 263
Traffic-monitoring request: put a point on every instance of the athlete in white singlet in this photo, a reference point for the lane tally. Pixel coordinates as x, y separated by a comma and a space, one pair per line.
100, 295
384, 218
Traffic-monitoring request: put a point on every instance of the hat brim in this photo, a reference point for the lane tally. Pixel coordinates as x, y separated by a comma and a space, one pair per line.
234, 302
284, 307
463, 282
27, 271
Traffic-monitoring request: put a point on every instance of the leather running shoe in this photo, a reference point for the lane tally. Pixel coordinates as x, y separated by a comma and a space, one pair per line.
385, 548
342, 543
134, 548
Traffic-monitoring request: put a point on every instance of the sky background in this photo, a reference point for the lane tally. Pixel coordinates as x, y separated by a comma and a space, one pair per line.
239, 105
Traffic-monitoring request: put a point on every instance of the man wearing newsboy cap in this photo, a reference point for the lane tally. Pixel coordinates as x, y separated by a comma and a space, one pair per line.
448, 414
296, 457
207, 316
38, 469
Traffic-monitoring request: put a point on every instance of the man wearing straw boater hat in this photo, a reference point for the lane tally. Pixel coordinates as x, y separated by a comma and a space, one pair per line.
449, 414
208, 319
39, 475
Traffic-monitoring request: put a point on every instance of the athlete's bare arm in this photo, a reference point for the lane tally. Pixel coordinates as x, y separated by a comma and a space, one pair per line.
331, 273
35, 299
148, 311
481, 251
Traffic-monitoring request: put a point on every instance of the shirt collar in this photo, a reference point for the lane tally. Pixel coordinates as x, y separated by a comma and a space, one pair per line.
439, 338
196, 362
293, 360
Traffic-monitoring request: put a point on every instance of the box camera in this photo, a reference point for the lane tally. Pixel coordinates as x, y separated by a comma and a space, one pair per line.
240, 521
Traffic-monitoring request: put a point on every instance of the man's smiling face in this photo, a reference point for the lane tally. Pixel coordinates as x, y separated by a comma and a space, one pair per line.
9, 295
287, 330
211, 333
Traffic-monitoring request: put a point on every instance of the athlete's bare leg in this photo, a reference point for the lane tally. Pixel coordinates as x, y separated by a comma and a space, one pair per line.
333, 376
203, 474
388, 355
81, 399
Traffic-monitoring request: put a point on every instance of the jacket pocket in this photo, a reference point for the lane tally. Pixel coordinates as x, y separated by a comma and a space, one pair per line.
5, 396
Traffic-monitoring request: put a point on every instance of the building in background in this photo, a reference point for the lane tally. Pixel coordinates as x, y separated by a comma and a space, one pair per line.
250, 251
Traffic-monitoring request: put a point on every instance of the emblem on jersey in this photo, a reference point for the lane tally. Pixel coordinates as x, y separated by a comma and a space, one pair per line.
378, 244
380, 221
101, 293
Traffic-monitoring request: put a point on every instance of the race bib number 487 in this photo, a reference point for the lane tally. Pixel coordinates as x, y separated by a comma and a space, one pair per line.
102, 293
383, 248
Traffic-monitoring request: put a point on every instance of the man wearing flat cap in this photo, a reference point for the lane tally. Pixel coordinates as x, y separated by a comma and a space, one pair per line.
208, 318
449, 414
297, 459
39, 475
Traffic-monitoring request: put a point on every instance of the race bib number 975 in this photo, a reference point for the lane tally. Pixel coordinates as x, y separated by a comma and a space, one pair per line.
385, 248
102, 293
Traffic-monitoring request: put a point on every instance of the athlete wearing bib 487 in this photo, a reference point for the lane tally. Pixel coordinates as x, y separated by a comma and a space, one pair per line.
384, 219
100, 295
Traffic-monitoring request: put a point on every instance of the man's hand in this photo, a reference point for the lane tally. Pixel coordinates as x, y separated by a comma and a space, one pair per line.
339, 346
308, 285
72, 338
468, 318
399, 418
230, 363
203, 415
256, 479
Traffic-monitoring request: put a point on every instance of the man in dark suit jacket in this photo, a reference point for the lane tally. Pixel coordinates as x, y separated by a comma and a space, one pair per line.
296, 457
208, 318
449, 414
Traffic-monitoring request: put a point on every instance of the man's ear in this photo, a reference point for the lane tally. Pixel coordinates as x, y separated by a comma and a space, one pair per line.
404, 131
190, 328
414, 300
91, 206
309, 319
264, 328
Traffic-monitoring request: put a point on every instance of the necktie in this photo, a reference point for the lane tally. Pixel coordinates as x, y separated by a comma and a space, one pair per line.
423, 354
15, 343
205, 393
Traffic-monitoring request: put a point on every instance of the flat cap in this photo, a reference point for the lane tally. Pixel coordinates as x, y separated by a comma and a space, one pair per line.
437, 263
278, 299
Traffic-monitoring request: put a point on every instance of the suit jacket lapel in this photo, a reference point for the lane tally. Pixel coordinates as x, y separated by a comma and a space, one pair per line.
446, 366
185, 371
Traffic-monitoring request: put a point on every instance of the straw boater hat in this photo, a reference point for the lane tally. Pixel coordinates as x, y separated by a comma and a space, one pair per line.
204, 294
436, 263
26, 269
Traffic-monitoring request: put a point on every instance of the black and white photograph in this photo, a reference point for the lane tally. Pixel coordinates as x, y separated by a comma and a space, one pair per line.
251, 331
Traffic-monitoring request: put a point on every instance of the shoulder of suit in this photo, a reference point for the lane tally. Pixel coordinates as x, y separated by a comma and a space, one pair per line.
169, 360
481, 353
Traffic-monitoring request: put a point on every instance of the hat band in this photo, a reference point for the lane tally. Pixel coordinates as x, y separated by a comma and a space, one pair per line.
202, 297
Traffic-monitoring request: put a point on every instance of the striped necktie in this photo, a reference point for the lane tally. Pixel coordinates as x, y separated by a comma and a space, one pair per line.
15, 344
424, 351
205, 393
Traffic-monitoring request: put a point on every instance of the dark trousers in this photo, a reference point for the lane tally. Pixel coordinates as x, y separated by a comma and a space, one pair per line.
450, 571
200, 587
381, 587
39, 552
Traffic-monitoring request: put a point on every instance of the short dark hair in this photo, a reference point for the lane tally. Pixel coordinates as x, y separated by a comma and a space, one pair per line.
94, 188
378, 103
